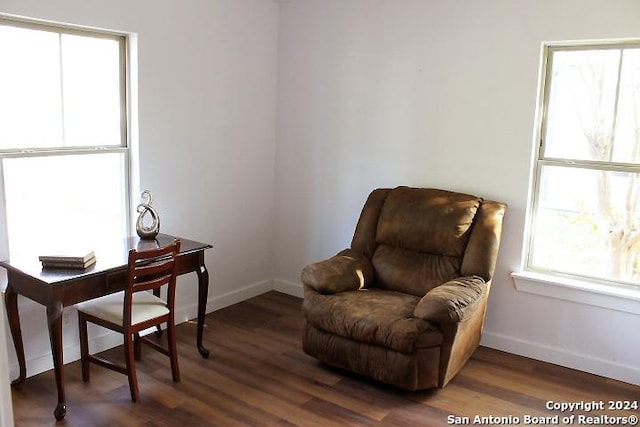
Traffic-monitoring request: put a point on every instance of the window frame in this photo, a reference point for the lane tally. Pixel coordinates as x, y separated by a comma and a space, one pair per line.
126, 129
607, 293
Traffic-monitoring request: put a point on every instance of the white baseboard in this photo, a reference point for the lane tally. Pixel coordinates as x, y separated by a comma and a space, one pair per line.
43, 363
582, 362
289, 288
234, 297
558, 356
109, 339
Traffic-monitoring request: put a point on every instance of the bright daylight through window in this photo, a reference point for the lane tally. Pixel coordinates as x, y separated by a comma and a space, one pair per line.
585, 220
63, 135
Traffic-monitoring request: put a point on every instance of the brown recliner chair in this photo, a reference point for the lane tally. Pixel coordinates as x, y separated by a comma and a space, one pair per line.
405, 304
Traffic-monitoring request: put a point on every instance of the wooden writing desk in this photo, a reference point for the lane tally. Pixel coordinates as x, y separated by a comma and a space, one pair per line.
57, 288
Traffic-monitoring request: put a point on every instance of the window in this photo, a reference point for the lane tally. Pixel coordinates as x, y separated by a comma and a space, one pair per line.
63, 135
584, 220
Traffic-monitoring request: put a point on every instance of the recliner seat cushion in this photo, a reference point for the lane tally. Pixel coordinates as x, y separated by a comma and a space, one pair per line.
374, 316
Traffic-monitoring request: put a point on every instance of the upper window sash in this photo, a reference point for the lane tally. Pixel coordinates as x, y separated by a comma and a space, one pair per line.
614, 70
80, 112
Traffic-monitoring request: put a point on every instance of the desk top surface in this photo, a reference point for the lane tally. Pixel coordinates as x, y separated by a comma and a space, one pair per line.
110, 256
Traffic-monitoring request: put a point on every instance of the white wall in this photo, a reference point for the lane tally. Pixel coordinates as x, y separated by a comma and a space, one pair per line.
375, 93
207, 97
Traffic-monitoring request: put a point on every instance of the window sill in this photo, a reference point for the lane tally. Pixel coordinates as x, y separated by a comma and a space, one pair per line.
579, 291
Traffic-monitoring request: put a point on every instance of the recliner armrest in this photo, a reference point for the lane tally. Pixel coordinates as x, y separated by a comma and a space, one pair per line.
453, 301
349, 270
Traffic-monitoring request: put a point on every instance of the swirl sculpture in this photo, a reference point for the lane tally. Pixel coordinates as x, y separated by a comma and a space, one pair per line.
147, 231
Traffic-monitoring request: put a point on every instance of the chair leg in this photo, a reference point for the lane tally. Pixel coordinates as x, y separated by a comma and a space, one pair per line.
131, 366
173, 351
84, 346
137, 346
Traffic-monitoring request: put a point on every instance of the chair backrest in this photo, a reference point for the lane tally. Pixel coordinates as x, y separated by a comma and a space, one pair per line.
149, 270
418, 238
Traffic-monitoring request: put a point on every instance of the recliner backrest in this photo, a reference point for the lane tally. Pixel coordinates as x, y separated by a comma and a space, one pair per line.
418, 238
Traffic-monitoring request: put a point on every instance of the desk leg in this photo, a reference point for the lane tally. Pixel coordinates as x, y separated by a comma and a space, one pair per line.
54, 318
203, 292
11, 302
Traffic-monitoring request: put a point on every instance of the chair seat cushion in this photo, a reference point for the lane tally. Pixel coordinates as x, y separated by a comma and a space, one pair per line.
145, 306
374, 316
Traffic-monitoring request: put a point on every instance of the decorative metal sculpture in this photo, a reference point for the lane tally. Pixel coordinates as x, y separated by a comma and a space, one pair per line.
147, 231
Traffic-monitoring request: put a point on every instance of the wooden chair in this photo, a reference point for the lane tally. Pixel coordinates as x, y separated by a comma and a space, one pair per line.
134, 310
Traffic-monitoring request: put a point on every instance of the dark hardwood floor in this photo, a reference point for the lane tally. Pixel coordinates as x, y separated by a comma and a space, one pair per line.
257, 375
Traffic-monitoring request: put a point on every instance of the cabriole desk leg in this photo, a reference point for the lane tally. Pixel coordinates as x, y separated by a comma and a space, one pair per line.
11, 302
54, 318
203, 292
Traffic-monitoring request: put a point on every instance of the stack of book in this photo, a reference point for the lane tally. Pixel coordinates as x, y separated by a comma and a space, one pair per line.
76, 261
